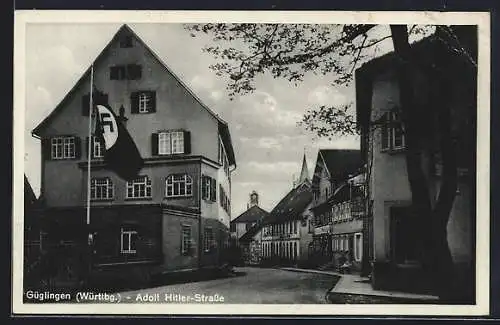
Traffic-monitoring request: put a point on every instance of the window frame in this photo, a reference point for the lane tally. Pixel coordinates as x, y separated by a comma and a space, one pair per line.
65, 147
208, 241
129, 232
391, 123
188, 184
97, 147
165, 138
140, 180
143, 99
186, 247
109, 188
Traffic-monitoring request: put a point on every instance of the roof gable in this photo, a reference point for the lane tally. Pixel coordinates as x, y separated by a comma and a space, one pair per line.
254, 214
125, 30
339, 163
29, 194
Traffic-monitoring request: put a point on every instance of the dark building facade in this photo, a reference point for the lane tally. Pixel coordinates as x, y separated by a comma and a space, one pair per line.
396, 239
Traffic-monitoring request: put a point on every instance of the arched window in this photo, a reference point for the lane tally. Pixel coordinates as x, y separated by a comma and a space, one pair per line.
179, 185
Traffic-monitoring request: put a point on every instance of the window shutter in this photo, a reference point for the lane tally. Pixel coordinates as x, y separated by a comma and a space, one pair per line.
46, 149
78, 148
187, 142
154, 144
134, 71
213, 188
100, 98
113, 73
152, 102
134, 103
85, 105
203, 187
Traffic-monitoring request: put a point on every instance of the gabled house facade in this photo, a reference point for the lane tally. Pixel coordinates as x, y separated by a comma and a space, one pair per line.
333, 168
175, 215
395, 237
286, 233
249, 218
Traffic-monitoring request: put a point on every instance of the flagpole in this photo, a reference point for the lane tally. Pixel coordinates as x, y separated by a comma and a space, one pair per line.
89, 151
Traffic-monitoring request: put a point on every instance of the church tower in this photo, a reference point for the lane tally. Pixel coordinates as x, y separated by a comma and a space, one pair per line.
254, 200
304, 173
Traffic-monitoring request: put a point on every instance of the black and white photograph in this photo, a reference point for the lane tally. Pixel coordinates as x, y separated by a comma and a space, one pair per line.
306, 163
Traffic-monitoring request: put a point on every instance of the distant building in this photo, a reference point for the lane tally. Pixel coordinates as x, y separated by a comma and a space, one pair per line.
286, 233
175, 215
396, 230
242, 223
347, 204
333, 168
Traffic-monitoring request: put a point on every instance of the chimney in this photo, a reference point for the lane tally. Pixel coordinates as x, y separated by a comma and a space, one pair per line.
254, 200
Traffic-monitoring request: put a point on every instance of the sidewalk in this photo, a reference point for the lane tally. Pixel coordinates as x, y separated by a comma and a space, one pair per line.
356, 285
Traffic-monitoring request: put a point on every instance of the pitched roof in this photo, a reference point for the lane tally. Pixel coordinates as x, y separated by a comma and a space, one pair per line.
254, 214
292, 205
29, 194
340, 163
123, 30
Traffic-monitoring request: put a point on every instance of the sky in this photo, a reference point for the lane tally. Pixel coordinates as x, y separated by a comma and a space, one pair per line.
269, 145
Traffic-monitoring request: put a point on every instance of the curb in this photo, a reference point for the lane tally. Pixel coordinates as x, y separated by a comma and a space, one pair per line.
310, 271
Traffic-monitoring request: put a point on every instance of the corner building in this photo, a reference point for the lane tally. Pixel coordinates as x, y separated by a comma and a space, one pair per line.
175, 215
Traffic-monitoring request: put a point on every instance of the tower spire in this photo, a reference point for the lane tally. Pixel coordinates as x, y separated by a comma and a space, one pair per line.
304, 173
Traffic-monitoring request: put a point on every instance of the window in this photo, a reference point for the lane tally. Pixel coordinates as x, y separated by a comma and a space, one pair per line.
208, 190
118, 72
179, 185
139, 188
126, 41
223, 160
125, 72
346, 243
248, 226
224, 200
358, 246
209, 240
186, 240
64, 147
97, 147
341, 244
233, 227
404, 247
128, 242
98, 97
171, 142
392, 132
101, 189
142, 102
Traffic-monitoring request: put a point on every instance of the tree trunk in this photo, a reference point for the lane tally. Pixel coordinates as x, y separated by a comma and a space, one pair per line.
435, 253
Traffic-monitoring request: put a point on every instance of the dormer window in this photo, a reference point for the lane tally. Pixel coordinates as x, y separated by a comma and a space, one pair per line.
125, 72
126, 41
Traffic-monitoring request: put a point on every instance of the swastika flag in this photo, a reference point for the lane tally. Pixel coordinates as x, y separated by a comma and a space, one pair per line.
121, 154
